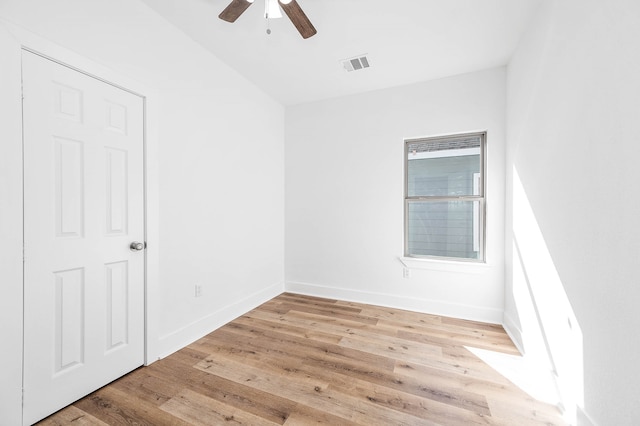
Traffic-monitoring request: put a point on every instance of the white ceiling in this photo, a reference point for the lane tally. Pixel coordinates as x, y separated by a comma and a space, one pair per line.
406, 41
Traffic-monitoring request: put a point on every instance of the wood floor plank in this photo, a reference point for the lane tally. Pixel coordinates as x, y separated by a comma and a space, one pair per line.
394, 349
499, 393
307, 416
428, 409
115, 407
405, 317
293, 364
332, 326
197, 409
72, 415
268, 406
464, 364
311, 321
452, 396
329, 312
307, 297
283, 327
490, 385
317, 303
306, 390
447, 331
148, 387
473, 324
305, 347
507, 413
303, 360
500, 343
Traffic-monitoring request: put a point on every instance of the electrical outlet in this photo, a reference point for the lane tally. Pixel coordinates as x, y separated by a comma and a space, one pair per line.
406, 273
198, 291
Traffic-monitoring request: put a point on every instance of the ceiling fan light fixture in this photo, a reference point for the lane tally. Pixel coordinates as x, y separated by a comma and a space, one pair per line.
272, 9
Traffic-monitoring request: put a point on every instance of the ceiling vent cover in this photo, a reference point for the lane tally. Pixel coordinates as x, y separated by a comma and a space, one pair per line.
357, 63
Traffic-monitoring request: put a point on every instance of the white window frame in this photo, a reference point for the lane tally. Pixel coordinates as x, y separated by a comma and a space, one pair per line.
479, 195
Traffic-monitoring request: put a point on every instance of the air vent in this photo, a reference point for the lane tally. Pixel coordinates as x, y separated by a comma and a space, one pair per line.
354, 64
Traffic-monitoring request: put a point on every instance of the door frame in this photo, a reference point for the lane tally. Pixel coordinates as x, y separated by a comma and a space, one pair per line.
13, 41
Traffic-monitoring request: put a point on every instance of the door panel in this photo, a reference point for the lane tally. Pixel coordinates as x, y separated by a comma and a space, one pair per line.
69, 190
117, 303
116, 207
69, 322
84, 205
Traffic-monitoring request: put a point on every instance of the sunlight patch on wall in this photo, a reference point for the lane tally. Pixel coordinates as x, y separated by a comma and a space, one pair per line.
537, 285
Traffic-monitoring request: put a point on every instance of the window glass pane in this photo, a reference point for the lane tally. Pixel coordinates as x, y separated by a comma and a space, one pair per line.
444, 167
444, 228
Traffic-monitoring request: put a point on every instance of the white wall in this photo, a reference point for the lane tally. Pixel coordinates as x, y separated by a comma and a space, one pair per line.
573, 236
218, 161
344, 195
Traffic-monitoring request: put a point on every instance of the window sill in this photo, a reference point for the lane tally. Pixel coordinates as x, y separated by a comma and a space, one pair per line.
445, 265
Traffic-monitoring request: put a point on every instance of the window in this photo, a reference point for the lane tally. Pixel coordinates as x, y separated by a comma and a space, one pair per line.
444, 197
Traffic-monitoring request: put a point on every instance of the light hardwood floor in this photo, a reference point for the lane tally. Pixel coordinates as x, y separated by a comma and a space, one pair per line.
300, 360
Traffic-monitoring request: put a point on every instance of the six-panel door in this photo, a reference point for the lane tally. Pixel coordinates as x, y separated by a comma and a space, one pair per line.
84, 205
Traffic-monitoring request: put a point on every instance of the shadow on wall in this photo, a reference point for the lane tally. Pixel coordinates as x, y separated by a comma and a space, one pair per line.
551, 337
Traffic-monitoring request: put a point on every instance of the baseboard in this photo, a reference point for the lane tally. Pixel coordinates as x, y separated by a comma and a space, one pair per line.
434, 307
513, 331
583, 419
188, 334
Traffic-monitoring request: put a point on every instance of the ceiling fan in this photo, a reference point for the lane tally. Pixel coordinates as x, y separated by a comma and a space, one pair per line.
290, 7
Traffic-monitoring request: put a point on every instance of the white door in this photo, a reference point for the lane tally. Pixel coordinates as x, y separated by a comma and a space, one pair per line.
83, 207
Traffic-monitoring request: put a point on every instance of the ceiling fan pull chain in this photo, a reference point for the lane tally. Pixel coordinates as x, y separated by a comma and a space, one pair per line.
271, 10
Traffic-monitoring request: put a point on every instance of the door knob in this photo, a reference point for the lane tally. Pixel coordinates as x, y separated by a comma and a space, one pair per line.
136, 246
